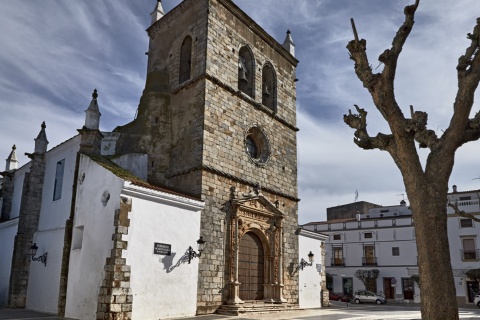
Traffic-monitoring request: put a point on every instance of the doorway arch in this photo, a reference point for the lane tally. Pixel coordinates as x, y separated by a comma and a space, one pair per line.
251, 267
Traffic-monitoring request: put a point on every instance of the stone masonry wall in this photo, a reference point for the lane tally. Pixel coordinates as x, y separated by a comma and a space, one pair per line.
213, 281
27, 226
115, 297
8, 185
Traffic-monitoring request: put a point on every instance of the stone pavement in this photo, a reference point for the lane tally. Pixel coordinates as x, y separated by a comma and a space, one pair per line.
11, 314
338, 311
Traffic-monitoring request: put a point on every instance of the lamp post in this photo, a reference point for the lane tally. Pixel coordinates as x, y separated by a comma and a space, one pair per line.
33, 252
192, 253
304, 263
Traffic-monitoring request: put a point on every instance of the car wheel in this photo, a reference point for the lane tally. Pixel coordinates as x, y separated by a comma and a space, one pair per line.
378, 301
357, 301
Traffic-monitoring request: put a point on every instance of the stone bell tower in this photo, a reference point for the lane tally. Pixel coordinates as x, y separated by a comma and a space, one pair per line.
218, 121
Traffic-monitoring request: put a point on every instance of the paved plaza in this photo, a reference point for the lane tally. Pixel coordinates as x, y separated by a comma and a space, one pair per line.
338, 311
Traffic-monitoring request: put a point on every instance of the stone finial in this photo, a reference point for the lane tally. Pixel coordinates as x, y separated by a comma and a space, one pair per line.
12, 162
41, 141
288, 44
92, 117
158, 12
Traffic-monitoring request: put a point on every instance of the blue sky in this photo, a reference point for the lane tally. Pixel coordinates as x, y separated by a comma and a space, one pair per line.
53, 54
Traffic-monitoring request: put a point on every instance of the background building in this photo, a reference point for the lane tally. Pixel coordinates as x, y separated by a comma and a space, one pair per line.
383, 238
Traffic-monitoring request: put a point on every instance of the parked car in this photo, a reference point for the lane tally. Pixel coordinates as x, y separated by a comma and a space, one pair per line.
336, 296
476, 300
362, 296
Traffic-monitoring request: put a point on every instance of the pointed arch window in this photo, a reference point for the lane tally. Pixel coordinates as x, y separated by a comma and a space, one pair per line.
185, 60
269, 87
246, 79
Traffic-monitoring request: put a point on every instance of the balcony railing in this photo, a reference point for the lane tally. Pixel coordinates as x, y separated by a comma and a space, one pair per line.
369, 261
470, 255
338, 262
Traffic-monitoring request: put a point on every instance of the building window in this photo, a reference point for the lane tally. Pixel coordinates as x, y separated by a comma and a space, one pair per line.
57, 188
466, 223
257, 146
185, 60
337, 259
77, 238
368, 235
465, 198
337, 237
347, 284
395, 251
369, 258
469, 251
246, 82
269, 87
251, 147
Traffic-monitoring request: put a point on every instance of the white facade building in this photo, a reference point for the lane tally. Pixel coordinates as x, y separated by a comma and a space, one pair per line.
384, 239
107, 241
311, 275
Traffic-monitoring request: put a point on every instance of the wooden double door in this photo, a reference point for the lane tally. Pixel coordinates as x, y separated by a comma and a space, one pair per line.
251, 267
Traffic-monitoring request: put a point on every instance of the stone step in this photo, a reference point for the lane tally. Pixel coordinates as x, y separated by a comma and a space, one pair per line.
251, 308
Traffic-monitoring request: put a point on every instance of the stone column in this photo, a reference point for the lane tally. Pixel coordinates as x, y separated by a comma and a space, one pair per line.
279, 285
235, 285
8, 185
115, 297
27, 226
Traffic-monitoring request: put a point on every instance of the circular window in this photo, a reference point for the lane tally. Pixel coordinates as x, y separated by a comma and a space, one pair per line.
257, 146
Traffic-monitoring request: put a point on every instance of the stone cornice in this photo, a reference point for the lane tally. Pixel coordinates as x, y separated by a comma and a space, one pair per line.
239, 94
232, 177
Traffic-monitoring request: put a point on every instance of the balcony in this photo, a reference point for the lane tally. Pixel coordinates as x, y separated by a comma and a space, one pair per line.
470, 255
369, 261
338, 262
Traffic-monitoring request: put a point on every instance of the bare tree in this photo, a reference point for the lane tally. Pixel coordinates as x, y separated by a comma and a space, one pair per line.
426, 187
366, 276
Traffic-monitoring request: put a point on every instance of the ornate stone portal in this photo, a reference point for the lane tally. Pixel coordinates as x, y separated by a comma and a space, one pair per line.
255, 214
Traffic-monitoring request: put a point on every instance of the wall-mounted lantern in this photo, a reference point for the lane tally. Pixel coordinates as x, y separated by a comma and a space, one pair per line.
304, 263
192, 253
33, 252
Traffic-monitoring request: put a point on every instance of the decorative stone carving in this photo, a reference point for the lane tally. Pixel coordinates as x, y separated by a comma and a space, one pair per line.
258, 215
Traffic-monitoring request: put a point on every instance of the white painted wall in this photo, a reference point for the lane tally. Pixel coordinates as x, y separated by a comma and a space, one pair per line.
87, 263
8, 230
163, 286
53, 214
309, 279
44, 281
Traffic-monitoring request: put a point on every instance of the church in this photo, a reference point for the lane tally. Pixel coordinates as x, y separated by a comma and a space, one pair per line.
191, 208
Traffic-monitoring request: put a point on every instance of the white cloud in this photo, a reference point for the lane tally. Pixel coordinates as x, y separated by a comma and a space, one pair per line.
54, 53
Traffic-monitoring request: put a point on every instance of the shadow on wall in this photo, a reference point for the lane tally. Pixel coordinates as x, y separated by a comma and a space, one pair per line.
168, 261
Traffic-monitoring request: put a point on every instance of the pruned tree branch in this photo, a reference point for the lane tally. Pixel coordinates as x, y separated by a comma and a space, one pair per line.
381, 83
462, 129
466, 61
362, 139
472, 132
418, 125
462, 213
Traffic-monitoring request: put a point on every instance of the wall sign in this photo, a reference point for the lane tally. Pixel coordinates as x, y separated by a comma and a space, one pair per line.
162, 248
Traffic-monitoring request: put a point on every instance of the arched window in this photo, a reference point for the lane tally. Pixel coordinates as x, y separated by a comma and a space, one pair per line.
185, 60
246, 79
269, 87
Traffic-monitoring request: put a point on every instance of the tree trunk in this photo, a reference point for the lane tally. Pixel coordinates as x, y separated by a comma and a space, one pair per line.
438, 294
